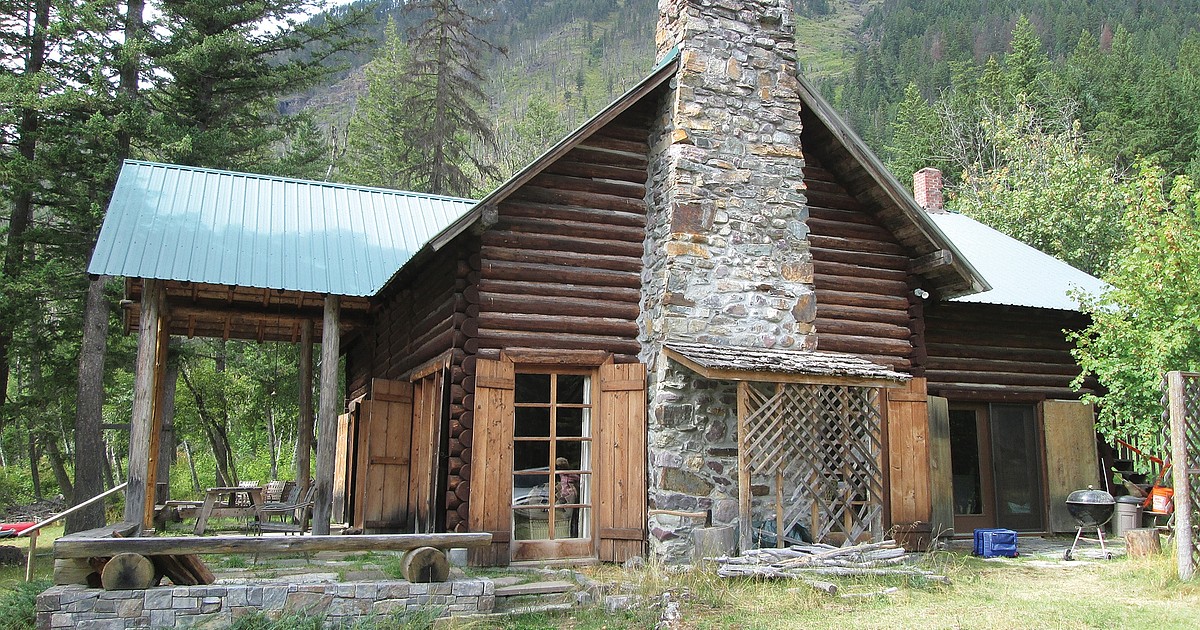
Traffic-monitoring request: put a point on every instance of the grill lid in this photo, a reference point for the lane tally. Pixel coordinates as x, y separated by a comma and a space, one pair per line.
1091, 496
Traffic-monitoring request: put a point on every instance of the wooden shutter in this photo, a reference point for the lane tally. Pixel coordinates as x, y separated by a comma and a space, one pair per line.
620, 462
384, 462
426, 443
490, 507
1071, 462
908, 453
341, 466
941, 474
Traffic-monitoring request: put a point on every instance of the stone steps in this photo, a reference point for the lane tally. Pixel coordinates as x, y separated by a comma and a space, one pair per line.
535, 597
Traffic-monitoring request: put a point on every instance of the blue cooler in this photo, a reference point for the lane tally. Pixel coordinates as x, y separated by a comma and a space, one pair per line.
994, 543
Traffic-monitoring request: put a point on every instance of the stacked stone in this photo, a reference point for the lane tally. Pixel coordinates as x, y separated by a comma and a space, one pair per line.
727, 259
219, 605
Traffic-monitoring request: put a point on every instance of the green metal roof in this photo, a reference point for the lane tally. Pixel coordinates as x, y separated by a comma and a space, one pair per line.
173, 222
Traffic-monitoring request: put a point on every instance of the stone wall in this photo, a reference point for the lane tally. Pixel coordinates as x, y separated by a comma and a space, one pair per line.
727, 259
218, 605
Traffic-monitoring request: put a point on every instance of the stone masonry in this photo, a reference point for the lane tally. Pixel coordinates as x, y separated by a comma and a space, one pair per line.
218, 605
727, 259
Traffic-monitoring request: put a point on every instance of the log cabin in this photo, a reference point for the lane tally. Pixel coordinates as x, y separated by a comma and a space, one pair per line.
709, 305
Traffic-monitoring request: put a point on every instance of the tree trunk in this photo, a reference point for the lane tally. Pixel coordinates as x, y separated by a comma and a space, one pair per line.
166, 444
89, 407
34, 474
60, 470
218, 437
187, 450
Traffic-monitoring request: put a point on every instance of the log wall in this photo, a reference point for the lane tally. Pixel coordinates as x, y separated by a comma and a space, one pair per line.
860, 274
997, 353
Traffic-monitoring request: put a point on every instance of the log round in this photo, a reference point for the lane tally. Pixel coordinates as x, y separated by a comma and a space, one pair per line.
425, 564
1142, 542
465, 455
128, 571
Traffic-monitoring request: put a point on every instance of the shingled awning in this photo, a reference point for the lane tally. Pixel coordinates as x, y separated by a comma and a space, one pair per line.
782, 366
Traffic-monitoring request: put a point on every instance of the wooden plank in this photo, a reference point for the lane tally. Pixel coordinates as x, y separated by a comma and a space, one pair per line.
341, 462
142, 417
304, 426
156, 422
745, 538
1071, 460
78, 547
908, 454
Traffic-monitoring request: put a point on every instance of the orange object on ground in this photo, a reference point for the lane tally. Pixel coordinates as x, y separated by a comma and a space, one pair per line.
1162, 500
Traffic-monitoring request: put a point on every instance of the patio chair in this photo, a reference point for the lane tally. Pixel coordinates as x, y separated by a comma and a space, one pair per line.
295, 516
273, 491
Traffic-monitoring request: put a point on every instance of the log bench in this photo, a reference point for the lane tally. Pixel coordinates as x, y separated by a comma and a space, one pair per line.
424, 560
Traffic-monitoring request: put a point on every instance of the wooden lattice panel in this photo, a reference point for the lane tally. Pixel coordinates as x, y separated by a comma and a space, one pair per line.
1183, 410
825, 439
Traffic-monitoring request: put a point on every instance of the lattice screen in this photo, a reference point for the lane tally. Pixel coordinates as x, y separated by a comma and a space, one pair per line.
1183, 410
826, 439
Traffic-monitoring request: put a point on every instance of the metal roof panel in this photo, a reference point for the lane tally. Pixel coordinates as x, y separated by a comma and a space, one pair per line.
190, 224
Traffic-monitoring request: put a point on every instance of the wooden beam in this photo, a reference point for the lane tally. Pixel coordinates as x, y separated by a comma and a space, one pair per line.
745, 524
144, 388
304, 430
156, 414
931, 261
81, 547
327, 418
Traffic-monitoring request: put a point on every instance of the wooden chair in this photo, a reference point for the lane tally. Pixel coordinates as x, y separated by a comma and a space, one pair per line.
273, 491
295, 516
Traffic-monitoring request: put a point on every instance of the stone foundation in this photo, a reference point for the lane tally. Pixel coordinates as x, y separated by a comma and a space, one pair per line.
218, 605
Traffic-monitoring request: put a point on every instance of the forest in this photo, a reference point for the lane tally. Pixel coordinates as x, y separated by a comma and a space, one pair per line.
1074, 126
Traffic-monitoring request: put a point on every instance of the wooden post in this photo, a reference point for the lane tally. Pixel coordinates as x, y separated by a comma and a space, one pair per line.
304, 430
745, 526
779, 510
156, 416
29, 558
144, 388
327, 419
1179, 472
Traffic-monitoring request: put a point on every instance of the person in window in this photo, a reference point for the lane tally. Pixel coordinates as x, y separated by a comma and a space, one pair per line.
566, 491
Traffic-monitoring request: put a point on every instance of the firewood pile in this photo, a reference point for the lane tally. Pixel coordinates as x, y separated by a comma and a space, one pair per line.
808, 562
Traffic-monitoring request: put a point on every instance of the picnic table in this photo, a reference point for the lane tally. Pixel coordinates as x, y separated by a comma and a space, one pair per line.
221, 501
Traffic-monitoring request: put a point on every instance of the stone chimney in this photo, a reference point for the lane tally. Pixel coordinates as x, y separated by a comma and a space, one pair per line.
927, 190
727, 258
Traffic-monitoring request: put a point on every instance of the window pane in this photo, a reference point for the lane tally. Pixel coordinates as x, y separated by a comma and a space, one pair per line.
531, 488
572, 453
573, 422
572, 388
532, 388
532, 422
567, 522
531, 524
964, 462
531, 456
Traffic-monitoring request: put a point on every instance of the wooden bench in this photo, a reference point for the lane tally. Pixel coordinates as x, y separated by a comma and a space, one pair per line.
424, 561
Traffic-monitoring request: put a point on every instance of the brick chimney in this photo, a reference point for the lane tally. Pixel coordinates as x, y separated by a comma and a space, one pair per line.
927, 190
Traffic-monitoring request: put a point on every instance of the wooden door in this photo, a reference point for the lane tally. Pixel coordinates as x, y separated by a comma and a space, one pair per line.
491, 461
343, 456
384, 458
428, 395
971, 468
1071, 459
941, 478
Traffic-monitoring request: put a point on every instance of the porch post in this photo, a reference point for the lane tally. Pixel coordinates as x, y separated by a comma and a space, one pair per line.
146, 418
745, 525
304, 429
327, 418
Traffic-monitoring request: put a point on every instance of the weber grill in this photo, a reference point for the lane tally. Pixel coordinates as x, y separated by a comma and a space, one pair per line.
1090, 508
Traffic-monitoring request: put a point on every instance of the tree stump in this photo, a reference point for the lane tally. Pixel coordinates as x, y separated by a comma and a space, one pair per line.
425, 564
1142, 542
128, 571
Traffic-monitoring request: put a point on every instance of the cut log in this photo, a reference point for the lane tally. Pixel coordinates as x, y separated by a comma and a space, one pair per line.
425, 564
128, 571
75, 571
184, 570
1142, 542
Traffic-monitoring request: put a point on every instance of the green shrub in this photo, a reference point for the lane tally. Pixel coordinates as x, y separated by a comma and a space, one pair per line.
17, 605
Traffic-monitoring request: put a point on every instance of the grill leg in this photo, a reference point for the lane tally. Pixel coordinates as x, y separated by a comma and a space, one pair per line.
1070, 552
1100, 535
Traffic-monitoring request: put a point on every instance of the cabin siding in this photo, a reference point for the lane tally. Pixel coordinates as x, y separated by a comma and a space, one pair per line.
993, 352
860, 274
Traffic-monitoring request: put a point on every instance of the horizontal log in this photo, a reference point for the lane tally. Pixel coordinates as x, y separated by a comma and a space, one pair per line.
861, 285
569, 274
845, 229
609, 143
632, 190
557, 212
516, 302
867, 300
564, 257
558, 290
607, 326
856, 245
561, 243
1000, 393
855, 344
597, 171
1008, 339
864, 329
840, 215
626, 127
500, 339
870, 259
858, 270
581, 199
183, 545
862, 314
588, 155
937, 349
1065, 368
574, 229
1000, 378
